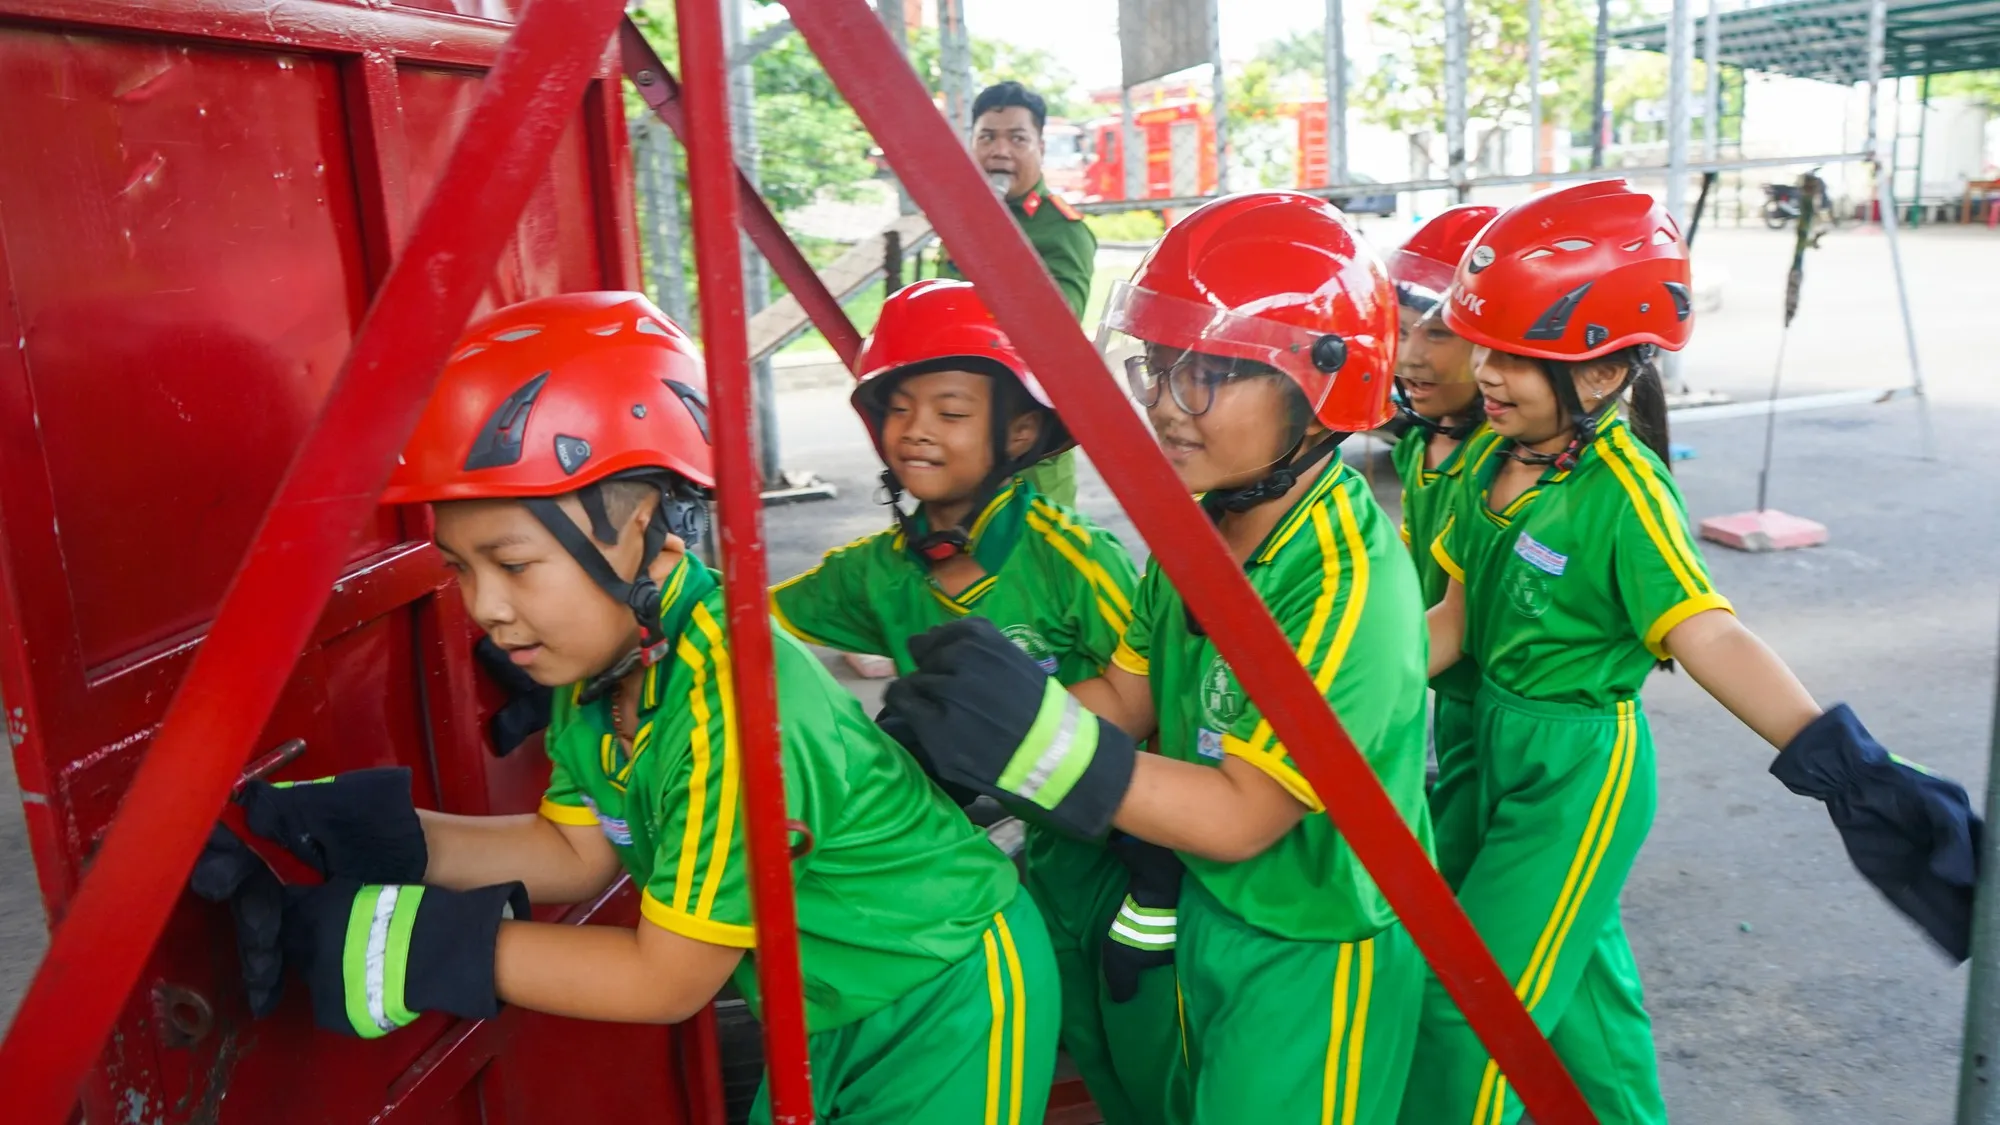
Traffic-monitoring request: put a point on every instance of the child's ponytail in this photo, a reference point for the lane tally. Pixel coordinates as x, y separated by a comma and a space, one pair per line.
1647, 395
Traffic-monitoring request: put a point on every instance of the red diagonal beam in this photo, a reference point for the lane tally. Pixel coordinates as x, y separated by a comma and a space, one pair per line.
657, 86
856, 51
713, 187
286, 576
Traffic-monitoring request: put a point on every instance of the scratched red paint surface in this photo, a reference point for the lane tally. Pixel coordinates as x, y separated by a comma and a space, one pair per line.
188, 224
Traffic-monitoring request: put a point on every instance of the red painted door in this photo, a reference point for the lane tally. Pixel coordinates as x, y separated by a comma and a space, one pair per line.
196, 200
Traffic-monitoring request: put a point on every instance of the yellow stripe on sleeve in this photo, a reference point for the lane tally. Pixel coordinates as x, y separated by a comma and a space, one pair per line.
698, 775
1442, 555
725, 813
1692, 578
1111, 602
1128, 658
784, 620
1273, 765
576, 816
699, 929
1670, 512
1656, 634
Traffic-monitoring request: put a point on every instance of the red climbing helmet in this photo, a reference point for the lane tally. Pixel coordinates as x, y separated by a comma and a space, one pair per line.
941, 325
549, 395
1279, 278
1423, 266
1575, 273
557, 395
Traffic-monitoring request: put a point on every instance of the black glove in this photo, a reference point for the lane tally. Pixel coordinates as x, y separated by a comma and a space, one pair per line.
986, 716
896, 728
228, 871
1141, 937
1910, 832
378, 956
527, 708
361, 825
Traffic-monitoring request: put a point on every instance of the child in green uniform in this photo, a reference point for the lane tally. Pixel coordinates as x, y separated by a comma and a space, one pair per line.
1574, 575
1437, 398
1267, 334
566, 453
957, 418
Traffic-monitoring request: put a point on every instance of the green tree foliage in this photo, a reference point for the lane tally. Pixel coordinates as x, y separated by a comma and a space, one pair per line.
1981, 86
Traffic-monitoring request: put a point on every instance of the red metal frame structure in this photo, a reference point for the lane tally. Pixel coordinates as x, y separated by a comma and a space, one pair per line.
856, 50
282, 585
286, 579
712, 184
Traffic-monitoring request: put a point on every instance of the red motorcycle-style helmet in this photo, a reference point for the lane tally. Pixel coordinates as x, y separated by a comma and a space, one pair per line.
1423, 266
1278, 278
942, 325
1575, 273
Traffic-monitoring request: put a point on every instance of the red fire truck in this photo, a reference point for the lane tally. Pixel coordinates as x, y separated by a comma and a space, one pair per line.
237, 240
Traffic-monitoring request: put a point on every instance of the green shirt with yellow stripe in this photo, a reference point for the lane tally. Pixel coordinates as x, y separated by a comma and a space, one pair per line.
1056, 584
1337, 579
1427, 499
893, 885
1572, 589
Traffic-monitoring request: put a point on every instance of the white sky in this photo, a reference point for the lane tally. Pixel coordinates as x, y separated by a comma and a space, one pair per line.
1083, 34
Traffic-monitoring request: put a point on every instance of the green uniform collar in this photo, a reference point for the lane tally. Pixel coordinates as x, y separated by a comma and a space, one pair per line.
1032, 200
685, 586
1300, 511
992, 536
1488, 466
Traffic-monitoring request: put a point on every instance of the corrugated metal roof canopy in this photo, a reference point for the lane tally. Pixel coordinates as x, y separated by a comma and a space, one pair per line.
1828, 39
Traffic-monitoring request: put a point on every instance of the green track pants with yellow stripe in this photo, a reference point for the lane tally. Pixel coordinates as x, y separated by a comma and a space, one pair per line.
1283, 1032
1562, 799
975, 1044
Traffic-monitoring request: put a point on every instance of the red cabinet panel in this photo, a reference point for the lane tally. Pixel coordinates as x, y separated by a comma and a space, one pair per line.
180, 221
193, 210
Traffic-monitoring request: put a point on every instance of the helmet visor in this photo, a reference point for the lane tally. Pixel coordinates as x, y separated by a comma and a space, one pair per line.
1189, 348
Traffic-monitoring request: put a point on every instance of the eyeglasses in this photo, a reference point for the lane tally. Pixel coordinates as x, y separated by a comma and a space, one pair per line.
1191, 379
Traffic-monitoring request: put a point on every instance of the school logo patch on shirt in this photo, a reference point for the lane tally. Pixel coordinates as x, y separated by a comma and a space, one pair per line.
1221, 698
1034, 644
615, 830
1540, 556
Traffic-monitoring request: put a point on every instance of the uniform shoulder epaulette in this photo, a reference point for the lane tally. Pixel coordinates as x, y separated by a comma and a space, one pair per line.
1063, 208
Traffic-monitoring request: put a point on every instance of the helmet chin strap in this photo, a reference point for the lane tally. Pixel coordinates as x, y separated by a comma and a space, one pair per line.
678, 513
1583, 430
940, 544
1456, 431
1279, 480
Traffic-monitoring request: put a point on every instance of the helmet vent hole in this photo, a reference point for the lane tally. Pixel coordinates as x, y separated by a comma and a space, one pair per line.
468, 353
1663, 237
1633, 245
1575, 244
654, 328
1538, 252
514, 334
606, 330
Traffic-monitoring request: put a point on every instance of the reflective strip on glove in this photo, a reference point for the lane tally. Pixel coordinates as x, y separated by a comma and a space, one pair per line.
1056, 751
1144, 927
376, 956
